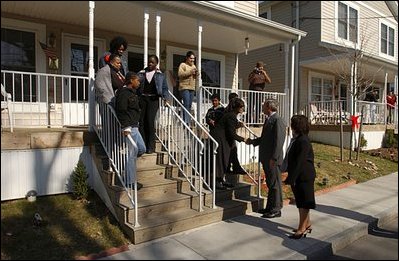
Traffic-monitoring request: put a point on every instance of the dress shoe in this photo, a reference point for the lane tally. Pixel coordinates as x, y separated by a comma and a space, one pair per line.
150, 151
298, 235
308, 229
272, 214
227, 184
263, 211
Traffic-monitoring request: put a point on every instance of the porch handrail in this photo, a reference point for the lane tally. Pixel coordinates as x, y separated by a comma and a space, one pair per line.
118, 147
52, 100
187, 146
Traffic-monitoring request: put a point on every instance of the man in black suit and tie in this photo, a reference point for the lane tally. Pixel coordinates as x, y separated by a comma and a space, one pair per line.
271, 156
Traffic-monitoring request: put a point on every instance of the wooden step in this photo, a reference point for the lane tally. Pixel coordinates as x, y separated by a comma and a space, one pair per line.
183, 219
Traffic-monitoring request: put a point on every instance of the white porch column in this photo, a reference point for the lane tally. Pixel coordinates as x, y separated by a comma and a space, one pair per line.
384, 95
199, 79
286, 87
146, 18
157, 38
292, 85
92, 100
235, 85
353, 93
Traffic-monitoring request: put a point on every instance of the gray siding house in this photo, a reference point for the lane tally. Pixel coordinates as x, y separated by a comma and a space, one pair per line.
369, 26
351, 49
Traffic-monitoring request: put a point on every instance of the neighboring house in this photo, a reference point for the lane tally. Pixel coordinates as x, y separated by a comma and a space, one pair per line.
52, 88
337, 31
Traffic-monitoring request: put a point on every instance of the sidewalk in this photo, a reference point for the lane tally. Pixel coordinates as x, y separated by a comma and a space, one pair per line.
340, 218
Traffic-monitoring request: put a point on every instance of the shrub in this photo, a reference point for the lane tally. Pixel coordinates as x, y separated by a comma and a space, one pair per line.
390, 139
80, 185
363, 141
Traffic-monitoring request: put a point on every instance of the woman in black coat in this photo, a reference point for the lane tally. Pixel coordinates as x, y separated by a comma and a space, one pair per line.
225, 134
301, 173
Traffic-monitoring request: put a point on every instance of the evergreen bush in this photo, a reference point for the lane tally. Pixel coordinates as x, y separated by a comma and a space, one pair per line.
390, 139
80, 185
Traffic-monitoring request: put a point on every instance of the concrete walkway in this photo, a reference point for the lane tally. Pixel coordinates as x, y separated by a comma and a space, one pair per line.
340, 218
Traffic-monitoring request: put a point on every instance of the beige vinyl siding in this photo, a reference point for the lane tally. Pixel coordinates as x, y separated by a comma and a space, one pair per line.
368, 31
328, 25
248, 7
274, 65
303, 92
378, 5
281, 13
309, 47
230, 61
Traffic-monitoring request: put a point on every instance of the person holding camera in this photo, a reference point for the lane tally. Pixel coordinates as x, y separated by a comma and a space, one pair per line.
188, 75
257, 81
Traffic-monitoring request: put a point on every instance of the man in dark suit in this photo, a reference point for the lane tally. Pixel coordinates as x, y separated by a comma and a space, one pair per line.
271, 156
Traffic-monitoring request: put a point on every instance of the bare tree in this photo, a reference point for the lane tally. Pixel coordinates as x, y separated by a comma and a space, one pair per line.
351, 65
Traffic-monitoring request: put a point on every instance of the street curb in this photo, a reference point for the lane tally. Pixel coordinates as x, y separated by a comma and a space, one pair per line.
338, 241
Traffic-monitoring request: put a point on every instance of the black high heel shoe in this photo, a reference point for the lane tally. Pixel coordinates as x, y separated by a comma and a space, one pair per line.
308, 229
298, 236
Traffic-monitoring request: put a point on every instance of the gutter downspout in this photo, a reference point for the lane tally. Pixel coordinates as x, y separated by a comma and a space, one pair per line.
92, 99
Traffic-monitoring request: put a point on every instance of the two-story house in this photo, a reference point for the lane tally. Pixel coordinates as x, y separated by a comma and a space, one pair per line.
351, 49
49, 57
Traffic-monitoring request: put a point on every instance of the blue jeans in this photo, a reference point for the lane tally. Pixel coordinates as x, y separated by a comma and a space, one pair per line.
187, 96
134, 153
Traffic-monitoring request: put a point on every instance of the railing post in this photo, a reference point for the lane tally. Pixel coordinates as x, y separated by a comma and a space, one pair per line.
199, 77
91, 67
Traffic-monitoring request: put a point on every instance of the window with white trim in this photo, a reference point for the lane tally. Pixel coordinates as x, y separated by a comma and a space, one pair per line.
321, 88
387, 40
347, 22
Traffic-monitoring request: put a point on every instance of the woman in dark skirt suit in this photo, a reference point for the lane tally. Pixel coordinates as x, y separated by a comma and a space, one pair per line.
225, 134
301, 173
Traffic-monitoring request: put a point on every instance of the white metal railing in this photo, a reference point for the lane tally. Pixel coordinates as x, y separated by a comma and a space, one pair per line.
6, 105
118, 148
327, 112
372, 112
189, 147
330, 112
42, 99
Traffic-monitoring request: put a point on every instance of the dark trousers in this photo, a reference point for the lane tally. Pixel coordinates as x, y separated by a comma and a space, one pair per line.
149, 107
273, 182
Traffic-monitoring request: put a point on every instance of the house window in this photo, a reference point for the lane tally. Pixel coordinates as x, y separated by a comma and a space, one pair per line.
80, 67
387, 40
321, 89
210, 70
347, 22
18, 54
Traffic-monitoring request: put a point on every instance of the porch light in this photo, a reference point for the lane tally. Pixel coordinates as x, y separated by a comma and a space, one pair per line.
246, 45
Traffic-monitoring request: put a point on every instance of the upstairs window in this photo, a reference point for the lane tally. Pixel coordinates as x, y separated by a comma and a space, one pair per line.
387, 41
347, 22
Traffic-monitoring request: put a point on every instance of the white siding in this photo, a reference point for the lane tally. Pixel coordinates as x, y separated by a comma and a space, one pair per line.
47, 171
369, 14
328, 25
248, 7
